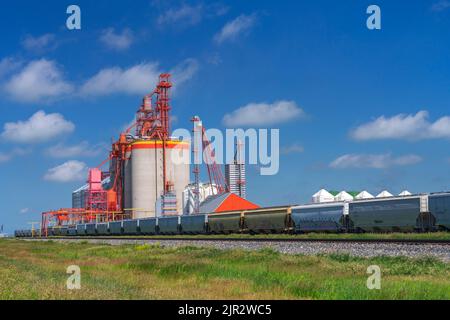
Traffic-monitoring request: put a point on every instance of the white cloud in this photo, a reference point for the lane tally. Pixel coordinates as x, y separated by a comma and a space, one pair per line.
184, 71
83, 149
294, 148
38, 128
69, 171
139, 79
117, 40
261, 114
190, 15
440, 5
376, 161
38, 80
235, 28
402, 126
39, 44
24, 210
187, 15
7, 156
8, 65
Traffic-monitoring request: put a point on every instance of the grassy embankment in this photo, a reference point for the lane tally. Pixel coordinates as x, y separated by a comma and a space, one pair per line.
37, 270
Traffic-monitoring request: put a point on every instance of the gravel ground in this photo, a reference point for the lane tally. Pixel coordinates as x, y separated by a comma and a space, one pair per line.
439, 251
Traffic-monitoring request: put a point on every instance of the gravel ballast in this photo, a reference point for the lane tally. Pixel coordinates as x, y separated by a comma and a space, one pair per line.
358, 249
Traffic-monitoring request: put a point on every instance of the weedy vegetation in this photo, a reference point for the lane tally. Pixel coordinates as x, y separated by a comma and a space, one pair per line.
37, 270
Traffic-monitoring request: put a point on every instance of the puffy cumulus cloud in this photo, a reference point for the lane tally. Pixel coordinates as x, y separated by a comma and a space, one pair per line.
39, 80
40, 44
39, 127
117, 40
375, 161
403, 126
235, 28
83, 149
263, 114
138, 79
69, 171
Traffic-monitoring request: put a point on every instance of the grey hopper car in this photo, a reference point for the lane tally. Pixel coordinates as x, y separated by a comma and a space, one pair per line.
332, 217
102, 229
81, 229
115, 228
91, 229
168, 225
439, 206
194, 224
405, 214
130, 227
147, 226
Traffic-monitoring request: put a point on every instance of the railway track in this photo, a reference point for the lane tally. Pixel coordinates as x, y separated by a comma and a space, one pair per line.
255, 240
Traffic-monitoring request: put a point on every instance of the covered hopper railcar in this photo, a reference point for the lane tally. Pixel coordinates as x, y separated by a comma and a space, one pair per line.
439, 206
419, 213
405, 214
331, 217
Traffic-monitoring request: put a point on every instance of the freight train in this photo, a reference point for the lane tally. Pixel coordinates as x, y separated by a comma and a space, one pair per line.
417, 213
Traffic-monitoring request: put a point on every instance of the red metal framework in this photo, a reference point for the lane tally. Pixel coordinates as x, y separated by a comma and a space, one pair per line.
72, 216
96, 197
152, 123
214, 171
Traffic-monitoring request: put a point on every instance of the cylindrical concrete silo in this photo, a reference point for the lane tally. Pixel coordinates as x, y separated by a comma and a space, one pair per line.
147, 175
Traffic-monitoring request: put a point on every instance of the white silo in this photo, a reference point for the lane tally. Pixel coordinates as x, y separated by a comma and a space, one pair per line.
147, 175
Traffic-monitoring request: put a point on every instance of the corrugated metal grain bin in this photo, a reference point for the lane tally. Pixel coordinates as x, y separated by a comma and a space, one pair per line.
320, 218
267, 220
91, 229
72, 231
194, 224
102, 229
147, 226
229, 222
439, 206
81, 229
168, 225
115, 228
130, 227
385, 215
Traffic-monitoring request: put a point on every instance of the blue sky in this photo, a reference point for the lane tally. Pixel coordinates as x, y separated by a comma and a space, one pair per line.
362, 109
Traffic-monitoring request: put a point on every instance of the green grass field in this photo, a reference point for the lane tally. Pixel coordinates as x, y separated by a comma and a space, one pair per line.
37, 270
